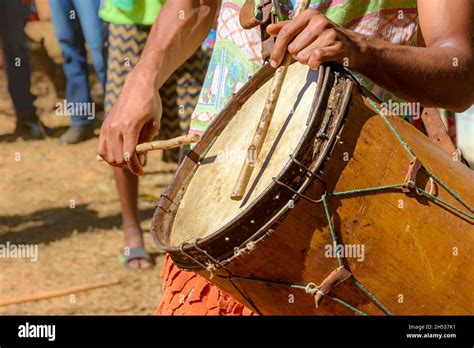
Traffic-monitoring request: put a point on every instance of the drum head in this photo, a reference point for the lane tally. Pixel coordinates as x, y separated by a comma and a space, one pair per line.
206, 205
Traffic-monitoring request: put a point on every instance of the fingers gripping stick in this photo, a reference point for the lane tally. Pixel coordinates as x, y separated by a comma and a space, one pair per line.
264, 123
164, 144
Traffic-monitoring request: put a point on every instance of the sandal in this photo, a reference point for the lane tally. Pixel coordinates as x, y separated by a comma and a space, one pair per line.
135, 253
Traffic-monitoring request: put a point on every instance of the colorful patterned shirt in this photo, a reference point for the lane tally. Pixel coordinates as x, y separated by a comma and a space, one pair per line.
237, 52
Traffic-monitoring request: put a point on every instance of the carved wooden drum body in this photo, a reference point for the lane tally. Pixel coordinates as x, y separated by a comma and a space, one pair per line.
348, 210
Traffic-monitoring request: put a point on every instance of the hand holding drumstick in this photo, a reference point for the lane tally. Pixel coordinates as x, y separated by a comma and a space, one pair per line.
164, 144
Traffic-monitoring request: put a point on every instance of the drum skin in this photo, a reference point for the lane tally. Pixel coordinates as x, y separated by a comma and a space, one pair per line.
418, 254
229, 150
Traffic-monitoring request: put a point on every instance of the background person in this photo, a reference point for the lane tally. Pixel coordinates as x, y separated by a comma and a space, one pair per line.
129, 26
13, 18
76, 22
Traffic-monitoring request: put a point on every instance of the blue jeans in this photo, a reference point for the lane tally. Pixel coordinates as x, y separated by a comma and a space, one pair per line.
77, 22
13, 18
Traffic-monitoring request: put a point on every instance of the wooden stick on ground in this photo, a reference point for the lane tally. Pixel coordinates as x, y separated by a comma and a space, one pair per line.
58, 293
165, 144
264, 123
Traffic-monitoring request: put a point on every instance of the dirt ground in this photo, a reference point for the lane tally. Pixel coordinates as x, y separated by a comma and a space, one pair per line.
61, 199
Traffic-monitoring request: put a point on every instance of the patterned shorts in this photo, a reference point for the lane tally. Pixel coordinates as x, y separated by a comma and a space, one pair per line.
179, 94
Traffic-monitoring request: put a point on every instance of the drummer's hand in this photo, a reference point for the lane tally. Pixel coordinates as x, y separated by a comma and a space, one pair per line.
134, 119
312, 39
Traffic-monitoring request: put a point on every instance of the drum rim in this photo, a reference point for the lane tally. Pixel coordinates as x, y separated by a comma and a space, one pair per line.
195, 250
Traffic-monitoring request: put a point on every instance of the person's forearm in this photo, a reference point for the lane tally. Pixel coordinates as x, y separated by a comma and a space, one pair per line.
180, 28
434, 76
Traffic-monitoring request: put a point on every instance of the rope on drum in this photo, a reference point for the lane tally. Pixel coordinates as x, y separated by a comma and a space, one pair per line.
311, 288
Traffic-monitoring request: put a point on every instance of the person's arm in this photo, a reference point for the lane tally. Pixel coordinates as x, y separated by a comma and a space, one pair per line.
438, 75
178, 31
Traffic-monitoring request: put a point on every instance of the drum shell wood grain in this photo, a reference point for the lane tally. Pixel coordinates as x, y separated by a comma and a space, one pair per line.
418, 255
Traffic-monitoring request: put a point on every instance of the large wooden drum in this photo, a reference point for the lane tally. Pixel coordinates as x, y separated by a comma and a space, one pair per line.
348, 210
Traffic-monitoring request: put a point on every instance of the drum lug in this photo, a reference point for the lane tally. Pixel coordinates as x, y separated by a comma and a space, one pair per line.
334, 279
410, 178
194, 157
160, 206
189, 256
276, 181
309, 172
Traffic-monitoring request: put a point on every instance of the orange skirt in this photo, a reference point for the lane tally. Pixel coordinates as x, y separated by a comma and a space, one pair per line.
186, 293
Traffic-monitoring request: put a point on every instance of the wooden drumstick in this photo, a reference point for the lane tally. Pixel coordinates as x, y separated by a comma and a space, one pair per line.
165, 144
264, 123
